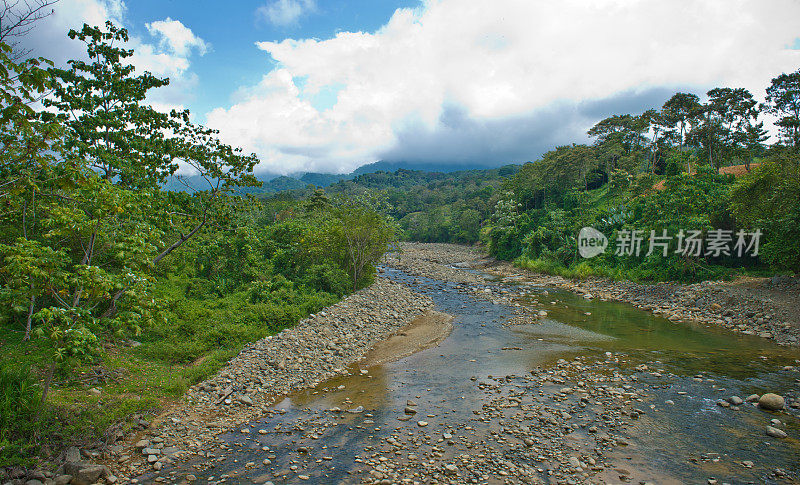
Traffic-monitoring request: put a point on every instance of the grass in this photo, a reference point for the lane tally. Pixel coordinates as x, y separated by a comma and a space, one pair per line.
199, 335
580, 271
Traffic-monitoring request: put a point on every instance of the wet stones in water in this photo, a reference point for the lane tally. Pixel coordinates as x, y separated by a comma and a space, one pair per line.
771, 402
735, 400
775, 432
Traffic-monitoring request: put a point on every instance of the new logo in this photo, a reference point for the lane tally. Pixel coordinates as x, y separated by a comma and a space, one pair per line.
591, 242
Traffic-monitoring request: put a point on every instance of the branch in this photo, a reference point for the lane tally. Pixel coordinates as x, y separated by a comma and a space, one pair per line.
182, 239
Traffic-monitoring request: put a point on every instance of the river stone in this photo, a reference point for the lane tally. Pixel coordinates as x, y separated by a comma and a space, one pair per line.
775, 432
85, 474
735, 400
62, 479
771, 401
73, 455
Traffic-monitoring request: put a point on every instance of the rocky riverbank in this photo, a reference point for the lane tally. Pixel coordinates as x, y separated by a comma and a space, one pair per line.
767, 307
316, 349
567, 422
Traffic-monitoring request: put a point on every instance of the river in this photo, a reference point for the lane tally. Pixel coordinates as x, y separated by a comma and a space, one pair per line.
454, 413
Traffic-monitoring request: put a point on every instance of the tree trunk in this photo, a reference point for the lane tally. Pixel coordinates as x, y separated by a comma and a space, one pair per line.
47, 381
28, 320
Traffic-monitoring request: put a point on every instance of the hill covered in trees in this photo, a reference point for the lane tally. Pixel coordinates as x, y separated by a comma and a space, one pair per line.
429, 206
666, 172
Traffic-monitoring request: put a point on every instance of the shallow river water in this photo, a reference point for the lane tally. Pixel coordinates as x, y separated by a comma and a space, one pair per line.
683, 436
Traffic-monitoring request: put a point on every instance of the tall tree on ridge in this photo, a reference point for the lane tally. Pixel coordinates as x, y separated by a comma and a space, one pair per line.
680, 110
783, 100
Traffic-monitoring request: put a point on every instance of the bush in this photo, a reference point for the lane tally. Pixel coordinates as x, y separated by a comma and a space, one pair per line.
328, 278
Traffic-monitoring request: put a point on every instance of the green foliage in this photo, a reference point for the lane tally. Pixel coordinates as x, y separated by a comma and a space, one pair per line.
429, 206
20, 403
783, 100
87, 231
769, 199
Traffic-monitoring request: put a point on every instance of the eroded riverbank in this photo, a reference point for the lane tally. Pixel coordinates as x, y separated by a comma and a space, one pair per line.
317, 349
590, 392
766, 307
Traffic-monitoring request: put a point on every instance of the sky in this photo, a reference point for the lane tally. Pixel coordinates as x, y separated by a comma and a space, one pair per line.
327, 86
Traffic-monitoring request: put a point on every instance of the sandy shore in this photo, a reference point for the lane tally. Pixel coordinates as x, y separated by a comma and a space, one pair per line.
424, 332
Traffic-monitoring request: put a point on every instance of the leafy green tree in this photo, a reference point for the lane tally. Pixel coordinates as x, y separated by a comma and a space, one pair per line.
783, 100
101, 102
737, 114
136, 147
364, 235
27, 151
680, 111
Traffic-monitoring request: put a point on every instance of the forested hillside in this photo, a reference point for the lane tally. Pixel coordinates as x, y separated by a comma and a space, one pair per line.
429, 206
109, 281
702, 168
661, 173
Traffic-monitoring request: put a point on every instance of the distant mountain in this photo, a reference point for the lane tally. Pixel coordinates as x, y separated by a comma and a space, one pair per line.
403, 173
324, 179
391, 167
270, 182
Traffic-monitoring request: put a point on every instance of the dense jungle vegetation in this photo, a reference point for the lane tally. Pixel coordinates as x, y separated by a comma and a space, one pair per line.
667, 169
109, 280
687, 166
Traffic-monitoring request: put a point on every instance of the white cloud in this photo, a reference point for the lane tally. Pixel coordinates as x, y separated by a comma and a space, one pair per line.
49, 36
285, 12
176, 37
496, 60
169, 56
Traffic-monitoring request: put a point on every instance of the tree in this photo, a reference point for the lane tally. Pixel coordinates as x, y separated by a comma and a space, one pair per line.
735, 115
656, 123
27, 151
17, 19
83, 218
364, 234
136, 147
680, 110
100, 101
768, 198
783, 100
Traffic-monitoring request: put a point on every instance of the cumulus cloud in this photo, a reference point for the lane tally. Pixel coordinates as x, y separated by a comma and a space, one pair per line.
176, 37
509, 73
166, 54
49, 37
285, 12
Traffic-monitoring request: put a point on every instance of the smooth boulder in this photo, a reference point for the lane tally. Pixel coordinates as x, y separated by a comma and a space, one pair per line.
772, 402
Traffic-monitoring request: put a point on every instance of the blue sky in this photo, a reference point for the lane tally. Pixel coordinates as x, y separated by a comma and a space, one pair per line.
233, 28
329, 85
